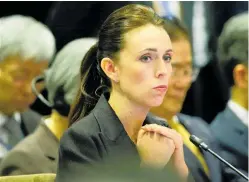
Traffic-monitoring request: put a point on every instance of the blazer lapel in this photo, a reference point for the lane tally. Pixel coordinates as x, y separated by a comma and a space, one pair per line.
30, 120
114, 131
195, 166
49, 145
212, 162
238, 132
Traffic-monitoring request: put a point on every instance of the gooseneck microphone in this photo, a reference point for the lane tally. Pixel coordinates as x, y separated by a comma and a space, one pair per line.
199, 143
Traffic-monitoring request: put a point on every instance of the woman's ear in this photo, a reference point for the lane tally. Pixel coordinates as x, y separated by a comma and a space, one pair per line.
110, 69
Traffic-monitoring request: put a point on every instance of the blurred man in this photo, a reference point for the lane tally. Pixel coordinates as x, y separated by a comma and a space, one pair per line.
27, 47
230, 126
40, 149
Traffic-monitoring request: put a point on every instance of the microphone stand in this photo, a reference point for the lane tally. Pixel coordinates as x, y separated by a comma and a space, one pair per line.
199, 143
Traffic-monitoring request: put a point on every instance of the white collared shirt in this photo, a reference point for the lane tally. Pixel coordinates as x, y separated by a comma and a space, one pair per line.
4, 118
240, 112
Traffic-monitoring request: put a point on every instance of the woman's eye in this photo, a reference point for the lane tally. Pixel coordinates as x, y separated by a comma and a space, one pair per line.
146, 58
167, 58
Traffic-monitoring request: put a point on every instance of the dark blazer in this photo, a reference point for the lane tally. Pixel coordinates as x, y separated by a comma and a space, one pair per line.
97, 138
37, 153
197, 126
233, 137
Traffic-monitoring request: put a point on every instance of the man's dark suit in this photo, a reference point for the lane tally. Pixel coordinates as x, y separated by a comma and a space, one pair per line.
233, 137
196, 126
97, 138
37, 153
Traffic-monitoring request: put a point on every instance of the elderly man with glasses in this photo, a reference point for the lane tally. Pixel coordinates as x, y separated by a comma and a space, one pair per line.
27, 47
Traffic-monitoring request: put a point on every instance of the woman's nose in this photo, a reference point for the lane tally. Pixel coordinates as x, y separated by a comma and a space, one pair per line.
163, 68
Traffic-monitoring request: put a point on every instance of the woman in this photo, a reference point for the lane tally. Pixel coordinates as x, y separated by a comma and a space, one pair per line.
133, 65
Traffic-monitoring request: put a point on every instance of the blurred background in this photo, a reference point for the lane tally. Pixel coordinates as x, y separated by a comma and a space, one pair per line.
53, 37
208, 95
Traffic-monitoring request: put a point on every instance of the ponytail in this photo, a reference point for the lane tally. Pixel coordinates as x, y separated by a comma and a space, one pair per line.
90, 81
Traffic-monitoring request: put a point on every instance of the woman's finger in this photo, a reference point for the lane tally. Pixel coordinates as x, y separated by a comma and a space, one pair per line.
167, 132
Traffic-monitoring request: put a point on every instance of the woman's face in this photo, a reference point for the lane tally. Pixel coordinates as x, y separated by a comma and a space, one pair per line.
180, 80
144, 65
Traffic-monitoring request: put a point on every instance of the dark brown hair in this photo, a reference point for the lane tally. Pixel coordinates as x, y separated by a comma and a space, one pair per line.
111, 41
176, 29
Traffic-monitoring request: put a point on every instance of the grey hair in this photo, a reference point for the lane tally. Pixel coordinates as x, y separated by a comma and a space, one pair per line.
233, 41
26, 37
65, 70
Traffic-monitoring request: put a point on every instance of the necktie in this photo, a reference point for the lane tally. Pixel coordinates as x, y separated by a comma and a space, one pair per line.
185, 136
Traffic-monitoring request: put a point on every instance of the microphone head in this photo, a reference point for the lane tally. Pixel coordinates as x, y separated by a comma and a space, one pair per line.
195, 140
198, 142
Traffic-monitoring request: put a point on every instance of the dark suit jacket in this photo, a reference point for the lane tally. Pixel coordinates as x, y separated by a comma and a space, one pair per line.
197, 126
37, 153
97, 138
233, 137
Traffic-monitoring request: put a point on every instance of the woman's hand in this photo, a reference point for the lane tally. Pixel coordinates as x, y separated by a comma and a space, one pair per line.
177, 158
154, 149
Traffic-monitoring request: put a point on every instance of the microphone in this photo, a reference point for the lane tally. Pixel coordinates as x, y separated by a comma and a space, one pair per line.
199, 143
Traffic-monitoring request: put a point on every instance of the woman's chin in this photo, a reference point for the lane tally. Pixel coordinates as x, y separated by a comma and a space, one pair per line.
155, 102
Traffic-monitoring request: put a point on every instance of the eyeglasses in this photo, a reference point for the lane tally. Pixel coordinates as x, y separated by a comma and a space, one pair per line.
22, 71
185, 73
177, 71
180, 71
